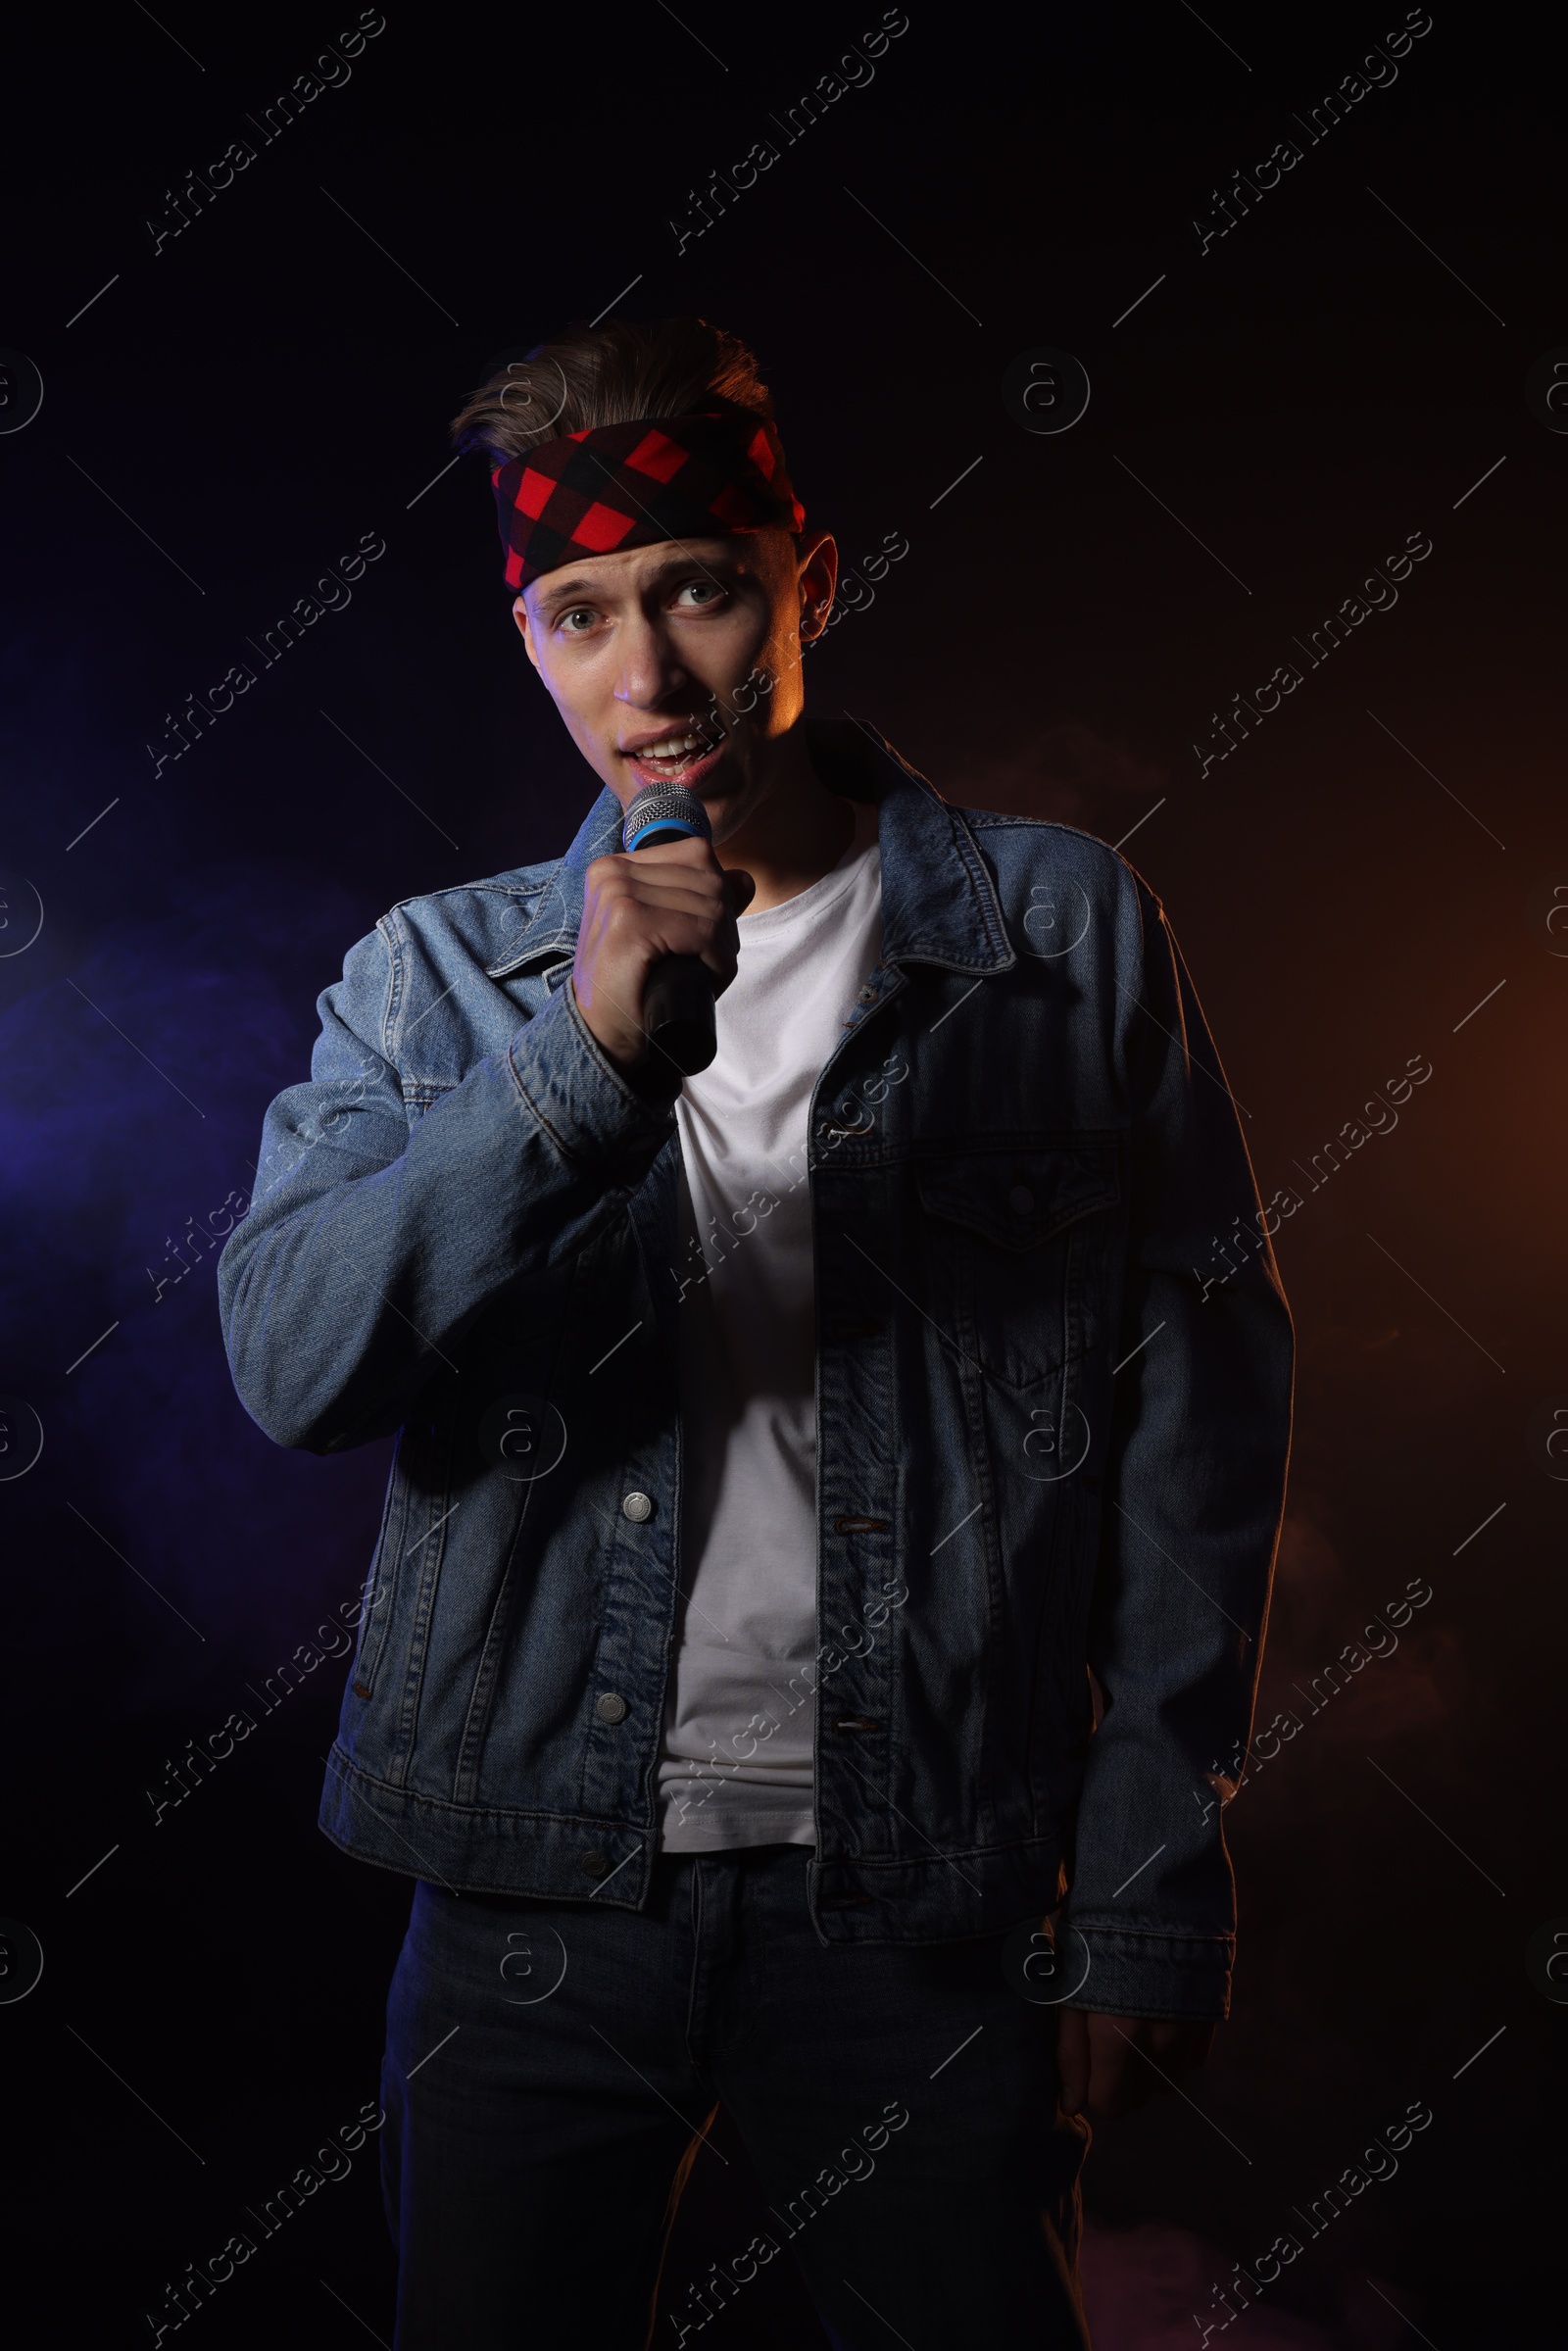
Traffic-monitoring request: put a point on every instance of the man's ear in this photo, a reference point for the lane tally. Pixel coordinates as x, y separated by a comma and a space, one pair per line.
817, 572
519, 613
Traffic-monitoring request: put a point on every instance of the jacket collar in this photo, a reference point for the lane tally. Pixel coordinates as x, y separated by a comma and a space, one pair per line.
939, 903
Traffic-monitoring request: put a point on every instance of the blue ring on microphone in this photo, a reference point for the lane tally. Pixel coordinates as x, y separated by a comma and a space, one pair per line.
665, 824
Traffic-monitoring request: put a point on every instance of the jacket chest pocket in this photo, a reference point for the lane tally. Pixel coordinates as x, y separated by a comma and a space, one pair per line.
1017, 1240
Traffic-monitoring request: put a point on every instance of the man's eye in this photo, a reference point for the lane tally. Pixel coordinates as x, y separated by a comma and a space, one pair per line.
702, 592
574, 623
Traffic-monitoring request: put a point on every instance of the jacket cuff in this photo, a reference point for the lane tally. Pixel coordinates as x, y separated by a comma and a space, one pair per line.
1152, 1974
592, 1110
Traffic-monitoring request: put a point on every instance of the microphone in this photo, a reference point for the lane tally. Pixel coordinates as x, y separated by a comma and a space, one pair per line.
678, 999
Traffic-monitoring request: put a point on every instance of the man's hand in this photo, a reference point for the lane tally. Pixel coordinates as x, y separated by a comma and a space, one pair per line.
1113, 2064
674, 899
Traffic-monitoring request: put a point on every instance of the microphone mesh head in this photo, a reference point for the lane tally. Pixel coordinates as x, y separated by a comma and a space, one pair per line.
664, 812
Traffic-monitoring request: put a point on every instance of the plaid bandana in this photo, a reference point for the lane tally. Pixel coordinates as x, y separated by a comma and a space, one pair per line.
638, 485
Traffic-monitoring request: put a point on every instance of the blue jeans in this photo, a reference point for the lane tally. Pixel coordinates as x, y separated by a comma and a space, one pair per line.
550, 2066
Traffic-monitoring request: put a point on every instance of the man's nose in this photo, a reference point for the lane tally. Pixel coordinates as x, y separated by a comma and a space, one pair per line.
649, 669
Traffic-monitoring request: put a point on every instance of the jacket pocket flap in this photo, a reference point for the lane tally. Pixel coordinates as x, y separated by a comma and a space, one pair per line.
1018, 1198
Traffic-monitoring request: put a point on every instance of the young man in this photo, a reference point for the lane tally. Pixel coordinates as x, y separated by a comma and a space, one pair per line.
835, 1495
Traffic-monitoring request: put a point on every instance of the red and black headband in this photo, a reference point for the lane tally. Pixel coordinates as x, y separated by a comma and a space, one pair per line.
637, 485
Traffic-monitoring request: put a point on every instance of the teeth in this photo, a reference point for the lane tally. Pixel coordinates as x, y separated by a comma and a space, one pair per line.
678, 746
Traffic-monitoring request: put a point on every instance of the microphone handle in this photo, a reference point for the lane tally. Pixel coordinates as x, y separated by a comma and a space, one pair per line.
678, 1012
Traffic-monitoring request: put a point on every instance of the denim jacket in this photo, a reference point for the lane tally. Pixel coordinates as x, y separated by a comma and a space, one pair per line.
1053, 1406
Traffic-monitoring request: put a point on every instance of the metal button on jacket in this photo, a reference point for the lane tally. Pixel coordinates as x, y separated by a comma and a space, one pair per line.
611, 1708
594, 1864
1020, 1200
637, 1506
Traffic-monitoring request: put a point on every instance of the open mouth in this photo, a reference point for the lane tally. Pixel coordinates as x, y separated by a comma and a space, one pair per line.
676, 759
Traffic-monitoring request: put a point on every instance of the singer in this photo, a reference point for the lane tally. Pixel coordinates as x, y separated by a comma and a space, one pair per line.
816, 1614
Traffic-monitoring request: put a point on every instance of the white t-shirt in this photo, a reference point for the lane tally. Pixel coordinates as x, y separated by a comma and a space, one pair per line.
735, 1766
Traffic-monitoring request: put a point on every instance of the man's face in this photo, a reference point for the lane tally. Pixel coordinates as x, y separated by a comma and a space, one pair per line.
682, 662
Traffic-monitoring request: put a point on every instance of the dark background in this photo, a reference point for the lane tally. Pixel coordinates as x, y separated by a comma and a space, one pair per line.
225, 420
